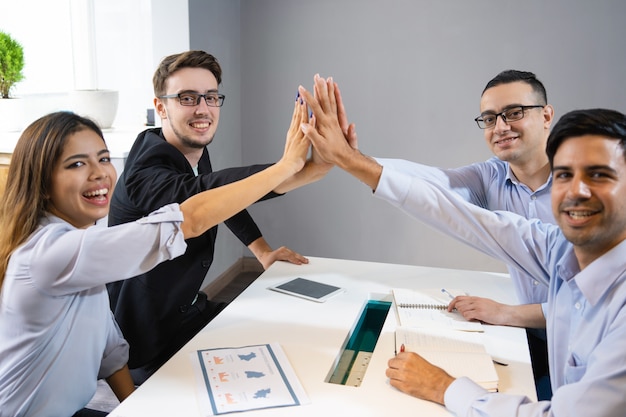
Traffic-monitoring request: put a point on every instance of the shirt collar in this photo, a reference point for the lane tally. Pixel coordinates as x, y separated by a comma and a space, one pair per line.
510, 177
599, 277
509, 174
50, 218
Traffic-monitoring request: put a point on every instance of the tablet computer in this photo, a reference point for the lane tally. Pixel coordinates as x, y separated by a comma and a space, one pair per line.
308, 289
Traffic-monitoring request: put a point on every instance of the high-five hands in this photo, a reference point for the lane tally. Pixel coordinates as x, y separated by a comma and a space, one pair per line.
325, 133
332, 136
296, 145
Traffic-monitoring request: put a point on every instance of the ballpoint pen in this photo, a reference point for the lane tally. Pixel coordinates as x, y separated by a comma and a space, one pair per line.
396, 344
443, 290
499, 362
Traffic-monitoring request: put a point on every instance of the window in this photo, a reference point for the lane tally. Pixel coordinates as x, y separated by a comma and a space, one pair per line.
122, 48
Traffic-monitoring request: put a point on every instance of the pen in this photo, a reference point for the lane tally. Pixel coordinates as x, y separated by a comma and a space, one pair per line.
443, 290
499, 362
396, 344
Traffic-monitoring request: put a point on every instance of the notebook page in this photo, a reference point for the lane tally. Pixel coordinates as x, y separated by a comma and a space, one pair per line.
458, 353
428, 308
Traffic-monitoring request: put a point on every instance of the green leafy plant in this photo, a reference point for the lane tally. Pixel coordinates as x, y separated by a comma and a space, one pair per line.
11, 63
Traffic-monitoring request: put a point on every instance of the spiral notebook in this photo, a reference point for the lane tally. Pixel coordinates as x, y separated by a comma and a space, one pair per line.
458, 353
428, 308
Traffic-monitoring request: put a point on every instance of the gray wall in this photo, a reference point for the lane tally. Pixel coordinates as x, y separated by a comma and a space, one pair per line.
214, 27
411, 73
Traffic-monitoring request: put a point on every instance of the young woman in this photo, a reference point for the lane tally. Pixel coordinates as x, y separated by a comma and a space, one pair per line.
57, 333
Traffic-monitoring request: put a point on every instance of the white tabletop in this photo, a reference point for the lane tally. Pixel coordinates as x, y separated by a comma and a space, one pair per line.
313, 334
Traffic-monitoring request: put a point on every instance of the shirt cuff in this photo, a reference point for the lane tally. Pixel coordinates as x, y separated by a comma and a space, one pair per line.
168, 213
393, 186
461, 394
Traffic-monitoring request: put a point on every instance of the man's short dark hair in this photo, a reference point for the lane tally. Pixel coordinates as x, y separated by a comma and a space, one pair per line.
511, 76
601, 122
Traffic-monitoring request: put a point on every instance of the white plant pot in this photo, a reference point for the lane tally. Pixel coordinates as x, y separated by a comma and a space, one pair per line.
98, 105
17, 113
11, 110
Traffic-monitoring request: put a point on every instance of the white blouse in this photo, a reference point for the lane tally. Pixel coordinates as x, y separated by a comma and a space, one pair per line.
57, 333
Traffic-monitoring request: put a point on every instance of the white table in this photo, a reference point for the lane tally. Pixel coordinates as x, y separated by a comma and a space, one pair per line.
313, 334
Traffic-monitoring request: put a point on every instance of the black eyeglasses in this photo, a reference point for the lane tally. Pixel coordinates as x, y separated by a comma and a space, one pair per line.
511, 114
193, 99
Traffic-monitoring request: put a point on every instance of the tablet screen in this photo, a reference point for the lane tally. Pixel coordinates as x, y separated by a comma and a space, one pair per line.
305, 288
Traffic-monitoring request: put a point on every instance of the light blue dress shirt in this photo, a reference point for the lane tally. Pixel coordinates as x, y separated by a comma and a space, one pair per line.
492, 185
57, 333
586, 318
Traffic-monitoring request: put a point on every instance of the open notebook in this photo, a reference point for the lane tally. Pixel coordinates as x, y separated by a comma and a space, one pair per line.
458, 353
428, 308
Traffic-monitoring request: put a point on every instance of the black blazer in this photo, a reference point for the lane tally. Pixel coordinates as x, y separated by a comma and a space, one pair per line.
149, 307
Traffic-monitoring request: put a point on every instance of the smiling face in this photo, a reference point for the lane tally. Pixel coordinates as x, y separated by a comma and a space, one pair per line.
82, 180
189, 128
522, 141
589, 194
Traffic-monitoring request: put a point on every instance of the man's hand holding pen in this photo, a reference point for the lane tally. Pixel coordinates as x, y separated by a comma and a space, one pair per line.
413, 375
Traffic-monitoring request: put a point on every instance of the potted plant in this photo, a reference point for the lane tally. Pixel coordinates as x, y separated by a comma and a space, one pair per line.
11, 63
17, 112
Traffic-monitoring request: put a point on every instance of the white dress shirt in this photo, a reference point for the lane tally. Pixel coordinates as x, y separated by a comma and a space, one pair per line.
586, 318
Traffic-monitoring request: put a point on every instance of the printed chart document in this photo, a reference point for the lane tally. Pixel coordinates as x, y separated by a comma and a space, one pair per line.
246, 378
428, 308
458, 353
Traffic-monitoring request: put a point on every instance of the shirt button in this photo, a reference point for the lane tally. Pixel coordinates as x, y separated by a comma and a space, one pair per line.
535, 282
577, 306
533, 197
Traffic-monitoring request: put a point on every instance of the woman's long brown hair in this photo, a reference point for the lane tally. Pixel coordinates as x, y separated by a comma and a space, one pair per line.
25, 199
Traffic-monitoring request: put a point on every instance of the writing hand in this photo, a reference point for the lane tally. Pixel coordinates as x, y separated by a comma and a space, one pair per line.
414, 375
